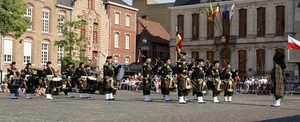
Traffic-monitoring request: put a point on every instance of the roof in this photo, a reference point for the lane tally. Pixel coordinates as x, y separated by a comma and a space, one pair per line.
157, 31
185, 2
67, 3
118, 1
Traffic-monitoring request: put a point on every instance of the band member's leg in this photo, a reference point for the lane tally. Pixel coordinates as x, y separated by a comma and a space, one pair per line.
186, 94
200, 97
195, 94
163, 89
49, 93
215, 94
146, 91
226, 92
13, 94
28, 94
230, 96
181, 92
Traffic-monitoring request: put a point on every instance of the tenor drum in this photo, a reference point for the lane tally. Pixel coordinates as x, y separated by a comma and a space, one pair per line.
57, 82
91, 81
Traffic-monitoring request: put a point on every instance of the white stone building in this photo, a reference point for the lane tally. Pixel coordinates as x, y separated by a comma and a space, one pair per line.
257, 30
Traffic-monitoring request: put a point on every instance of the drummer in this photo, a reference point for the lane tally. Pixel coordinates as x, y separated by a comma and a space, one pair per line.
71, 79
12, 74
82, 75
48, 76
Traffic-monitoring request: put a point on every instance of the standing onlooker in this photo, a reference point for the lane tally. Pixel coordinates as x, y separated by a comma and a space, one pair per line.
237, 82
296, 80
277, 78
247, 85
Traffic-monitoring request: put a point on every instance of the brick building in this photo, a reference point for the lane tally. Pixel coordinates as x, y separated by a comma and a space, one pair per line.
157, 12
152, 40
96, 29
36, 45
122, 31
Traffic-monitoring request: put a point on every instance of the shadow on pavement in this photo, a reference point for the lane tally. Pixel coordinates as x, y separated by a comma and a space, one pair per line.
295, 118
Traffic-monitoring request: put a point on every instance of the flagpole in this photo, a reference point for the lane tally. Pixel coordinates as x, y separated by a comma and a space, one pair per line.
288, 54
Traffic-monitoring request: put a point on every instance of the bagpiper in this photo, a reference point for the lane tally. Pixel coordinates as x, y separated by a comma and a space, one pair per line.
147, 75
13, 81
216, 85
228, 82
28, 80
109, 77
199, 77
70, 79
183, 79
167, 82
48, 76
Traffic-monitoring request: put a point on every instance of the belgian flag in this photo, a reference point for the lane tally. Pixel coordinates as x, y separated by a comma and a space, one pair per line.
178, 43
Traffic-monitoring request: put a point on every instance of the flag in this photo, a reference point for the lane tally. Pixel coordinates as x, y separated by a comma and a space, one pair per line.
217, 13
225, 12
178, 43
210, 13
293, 43
231, 11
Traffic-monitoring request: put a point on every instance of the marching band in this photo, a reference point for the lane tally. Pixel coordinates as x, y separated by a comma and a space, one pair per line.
186, 76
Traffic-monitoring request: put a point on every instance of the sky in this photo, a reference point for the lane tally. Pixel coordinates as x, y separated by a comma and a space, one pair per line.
158, 1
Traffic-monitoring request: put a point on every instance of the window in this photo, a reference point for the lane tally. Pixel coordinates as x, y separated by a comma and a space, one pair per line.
60, 22
127, 37
161, 55
226, 26
45, 23
8, 45
210, 29
95, 32
195, 55
127, 20
210, 56
126, 60
90, 4
116, 40
82, 31
116, 59
180, 24
60, 54
242, 23
195, 28
94, 57
154, 51
44, 53
29, 15
280, 20
27, 52
117, 18
242, 62
260, 53
261, 25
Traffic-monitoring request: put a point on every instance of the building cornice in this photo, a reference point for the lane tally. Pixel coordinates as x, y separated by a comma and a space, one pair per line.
120, 5
213, 3
63, 6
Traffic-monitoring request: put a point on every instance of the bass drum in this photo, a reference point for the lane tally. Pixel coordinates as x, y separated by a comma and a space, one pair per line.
121, 73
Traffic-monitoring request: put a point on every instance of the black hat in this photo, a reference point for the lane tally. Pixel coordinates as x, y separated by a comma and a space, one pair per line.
81, 63
70, 63
216, 61
109, 57
87, 66
147, 57
13, 63
200, 60
28, 64
227, 63
49, 62
183, 53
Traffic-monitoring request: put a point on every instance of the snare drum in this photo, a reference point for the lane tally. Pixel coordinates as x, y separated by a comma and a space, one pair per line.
57, 82
49, 77
83, 81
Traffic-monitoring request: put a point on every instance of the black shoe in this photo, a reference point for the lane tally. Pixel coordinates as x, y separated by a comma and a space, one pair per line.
71, 97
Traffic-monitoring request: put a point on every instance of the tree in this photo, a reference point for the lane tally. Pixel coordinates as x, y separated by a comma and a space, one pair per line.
12, 18
73, 43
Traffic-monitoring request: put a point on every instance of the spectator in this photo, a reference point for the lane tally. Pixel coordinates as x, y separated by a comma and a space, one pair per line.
38, 91
4, 87
296, 80
247, 85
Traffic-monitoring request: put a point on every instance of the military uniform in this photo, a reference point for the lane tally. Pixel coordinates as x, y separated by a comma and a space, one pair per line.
82, 77
147, 83
109, 78
70, 81
199, 77
14, 81
183, 79
167, 82
48, 76
216, 85
28, 80
228, 83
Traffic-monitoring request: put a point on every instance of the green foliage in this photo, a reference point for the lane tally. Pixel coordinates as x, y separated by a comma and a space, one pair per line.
72, 42
12, 18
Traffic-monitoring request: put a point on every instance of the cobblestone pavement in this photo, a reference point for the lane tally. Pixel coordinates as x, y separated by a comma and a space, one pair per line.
129, 106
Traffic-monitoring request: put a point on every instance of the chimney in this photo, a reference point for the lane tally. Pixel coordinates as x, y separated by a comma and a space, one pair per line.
145, 17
